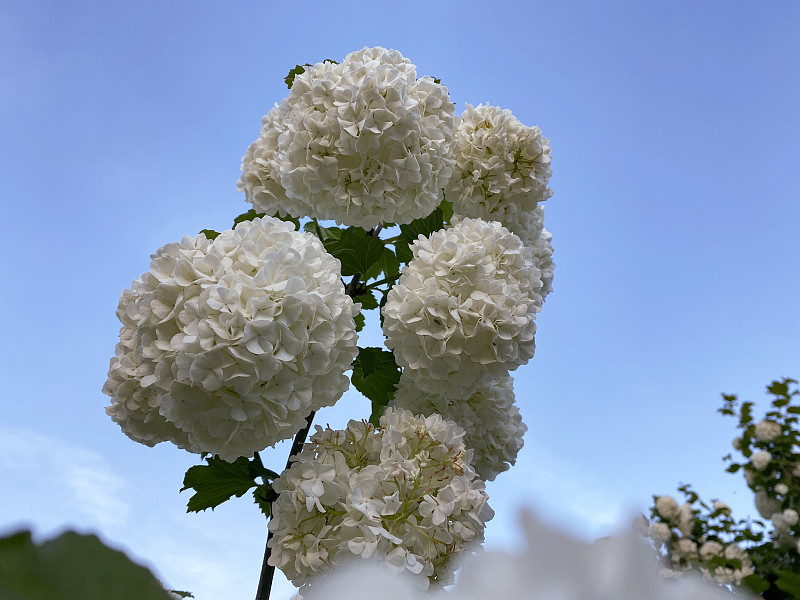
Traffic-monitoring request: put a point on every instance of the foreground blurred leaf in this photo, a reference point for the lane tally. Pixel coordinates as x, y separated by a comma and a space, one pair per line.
72, 567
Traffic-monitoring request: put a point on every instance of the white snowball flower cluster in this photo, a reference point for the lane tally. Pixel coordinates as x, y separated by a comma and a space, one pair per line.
463, 309
667, 507
404, 494
768, 431
552, 565
492, 422
227, 345
361, 142
502, 170
761, 459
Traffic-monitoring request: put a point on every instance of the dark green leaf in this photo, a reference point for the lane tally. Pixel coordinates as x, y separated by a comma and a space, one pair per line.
210, 233
755, 584
375, 374
733, 468
217, 482
289, 79
367, 300
324, 233
360, 321
71, 566
264, 496
248, 216
356, 250
388, 264
778, 388
789, 582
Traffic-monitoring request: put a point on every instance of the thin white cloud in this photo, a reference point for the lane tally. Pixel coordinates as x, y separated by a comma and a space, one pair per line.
78, 477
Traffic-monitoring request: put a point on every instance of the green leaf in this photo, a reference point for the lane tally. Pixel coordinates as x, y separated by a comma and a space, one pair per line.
423, 226
375, 374
755, 584
367, 300
733, 468
360, 321
71, 566
299, 69
356, 250
324, 233
248, 216
209, 233
789, 582
217, 482
264, 495
388, 264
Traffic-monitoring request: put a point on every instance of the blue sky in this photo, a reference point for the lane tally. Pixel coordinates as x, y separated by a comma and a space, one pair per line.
674, 128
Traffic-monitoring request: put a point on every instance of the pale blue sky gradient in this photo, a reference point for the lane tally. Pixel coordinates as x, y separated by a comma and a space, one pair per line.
675, 219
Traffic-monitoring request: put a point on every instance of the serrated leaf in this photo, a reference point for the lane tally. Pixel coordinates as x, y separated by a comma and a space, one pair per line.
247, 216
367, 300
299, 69
375, 374
356, 250
209, 233
216, 482
72, 566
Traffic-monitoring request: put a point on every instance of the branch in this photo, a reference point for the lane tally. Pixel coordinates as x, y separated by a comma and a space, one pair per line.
267, 570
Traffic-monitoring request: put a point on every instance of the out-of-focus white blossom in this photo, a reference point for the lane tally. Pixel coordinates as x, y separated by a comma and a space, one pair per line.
760, 460
491, 419
660, 532
552, 566
781, 488
463, 309
791, 517
502, 170
721, 506
361, 142
710, 549
667, 507
404, 494
685, 519
737, 443
227, 345
768, 431
765, 505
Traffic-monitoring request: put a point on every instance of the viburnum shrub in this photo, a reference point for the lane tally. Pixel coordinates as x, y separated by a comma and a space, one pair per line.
762, 556
368, 194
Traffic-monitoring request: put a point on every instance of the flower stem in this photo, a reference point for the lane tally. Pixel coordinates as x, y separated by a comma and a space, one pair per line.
267, 570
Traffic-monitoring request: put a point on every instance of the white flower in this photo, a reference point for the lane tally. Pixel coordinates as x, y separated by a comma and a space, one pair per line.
403, 494
749, 476
781, 488
463, 309
790, 516
227, 345
721, 506
710, 549
361, 142
737, 443
660, 532
667, 507
685, 519
760, 460
765, 505
502, 170
768, 431
492, 422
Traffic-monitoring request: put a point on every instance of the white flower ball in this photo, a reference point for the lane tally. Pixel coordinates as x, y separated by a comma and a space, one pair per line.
765, 505
685, 519
660, 532
361, 142
502, 168
737, 443
710, 549
493, 425
768, 431
791, 517
667, 507
781, 488
760, 460
721, 506
463, 309
228, 345
404, 494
